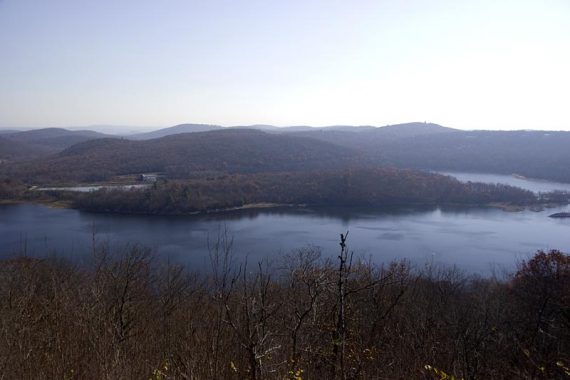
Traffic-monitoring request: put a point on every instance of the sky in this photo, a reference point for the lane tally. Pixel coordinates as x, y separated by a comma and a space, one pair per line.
496, 64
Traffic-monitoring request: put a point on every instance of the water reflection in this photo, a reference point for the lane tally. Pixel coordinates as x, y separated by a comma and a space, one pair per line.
534, 185
472, 238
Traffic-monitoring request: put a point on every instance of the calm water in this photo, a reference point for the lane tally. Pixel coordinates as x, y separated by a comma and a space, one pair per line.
535, 185
473, 239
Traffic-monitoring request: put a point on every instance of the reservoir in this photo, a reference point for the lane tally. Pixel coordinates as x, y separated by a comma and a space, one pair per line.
534, 185
477, 240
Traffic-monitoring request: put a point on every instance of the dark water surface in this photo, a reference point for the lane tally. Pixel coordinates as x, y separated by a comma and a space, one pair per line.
475, 240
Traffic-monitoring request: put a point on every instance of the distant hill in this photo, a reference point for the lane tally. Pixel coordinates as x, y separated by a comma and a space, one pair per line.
306, 128
403, 129
177, 129
261, 127
535, 154
53, 139
368, 139
398, 131
187, 155
349, 128
274, 129
193, 128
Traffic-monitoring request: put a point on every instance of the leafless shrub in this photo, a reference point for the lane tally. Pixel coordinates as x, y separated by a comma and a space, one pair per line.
130, 315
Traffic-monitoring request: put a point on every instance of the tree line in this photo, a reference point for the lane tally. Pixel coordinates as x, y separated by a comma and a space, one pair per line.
131, 315
535, 154
356, 187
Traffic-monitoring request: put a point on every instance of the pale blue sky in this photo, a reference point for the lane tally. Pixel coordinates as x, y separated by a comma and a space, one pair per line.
464, 64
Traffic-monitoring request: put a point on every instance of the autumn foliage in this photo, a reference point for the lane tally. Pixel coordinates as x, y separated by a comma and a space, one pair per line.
351, 187
129, 315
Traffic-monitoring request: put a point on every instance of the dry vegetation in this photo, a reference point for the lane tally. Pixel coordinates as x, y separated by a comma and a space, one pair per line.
130, 316
184, 156
357, 187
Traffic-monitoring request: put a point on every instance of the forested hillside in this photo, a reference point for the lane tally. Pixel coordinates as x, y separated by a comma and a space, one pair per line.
188, 155
371, 139
33, 144
16, 150
359, 187
529, 153
55, 139
177, 129
185, 149
534, 154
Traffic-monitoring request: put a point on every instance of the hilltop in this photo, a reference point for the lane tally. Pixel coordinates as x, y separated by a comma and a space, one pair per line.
427, 146
187, 155
177, 129
51, 140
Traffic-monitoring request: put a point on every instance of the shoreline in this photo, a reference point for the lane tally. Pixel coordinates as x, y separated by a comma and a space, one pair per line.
66, 204
537, 207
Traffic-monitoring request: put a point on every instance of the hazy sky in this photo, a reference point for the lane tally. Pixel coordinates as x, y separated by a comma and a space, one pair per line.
494, 64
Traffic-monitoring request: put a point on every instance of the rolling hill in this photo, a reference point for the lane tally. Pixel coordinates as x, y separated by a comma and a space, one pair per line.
400, 130
536, 154
188, 155
177, 129
53, 139
368, 139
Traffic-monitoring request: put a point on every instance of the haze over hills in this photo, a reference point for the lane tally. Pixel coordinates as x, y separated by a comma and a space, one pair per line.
177, 129
17, 145
185, 155
190, 128
370, 138
416, 145
45, 141
535, 154
54, 139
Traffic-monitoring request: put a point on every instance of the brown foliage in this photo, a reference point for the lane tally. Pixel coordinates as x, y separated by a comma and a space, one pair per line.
357, 187
131, 316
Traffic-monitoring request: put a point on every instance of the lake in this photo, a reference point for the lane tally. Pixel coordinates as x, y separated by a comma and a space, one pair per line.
534, 185
476, 240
